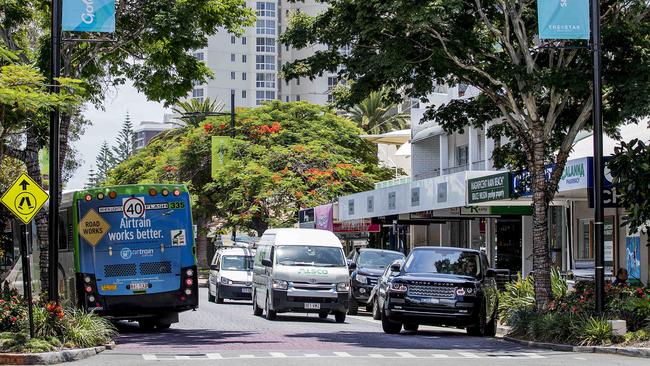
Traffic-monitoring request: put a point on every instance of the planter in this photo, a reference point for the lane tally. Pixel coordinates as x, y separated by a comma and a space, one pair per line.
623, 351
49, 358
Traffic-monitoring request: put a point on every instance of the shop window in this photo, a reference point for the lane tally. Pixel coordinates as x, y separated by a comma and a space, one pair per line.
371, 204
462, 154
392, 200
415, 196
351, 207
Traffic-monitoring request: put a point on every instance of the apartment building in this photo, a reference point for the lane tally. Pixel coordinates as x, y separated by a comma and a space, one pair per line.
249, 66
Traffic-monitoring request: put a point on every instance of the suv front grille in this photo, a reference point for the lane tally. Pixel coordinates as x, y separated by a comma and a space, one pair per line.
430, 290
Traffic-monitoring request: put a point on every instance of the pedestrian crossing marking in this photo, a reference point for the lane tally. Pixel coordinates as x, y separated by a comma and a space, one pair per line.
387, 355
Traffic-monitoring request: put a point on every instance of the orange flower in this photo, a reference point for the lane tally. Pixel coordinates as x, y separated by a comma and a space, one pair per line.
207, 127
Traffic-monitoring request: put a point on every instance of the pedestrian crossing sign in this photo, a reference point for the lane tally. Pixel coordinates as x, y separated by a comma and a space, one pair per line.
24, 198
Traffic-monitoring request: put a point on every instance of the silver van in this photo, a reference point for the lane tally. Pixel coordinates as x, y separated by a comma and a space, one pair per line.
300, 270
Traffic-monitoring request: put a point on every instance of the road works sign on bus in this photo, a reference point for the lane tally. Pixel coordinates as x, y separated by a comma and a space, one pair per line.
24, 198
88, 16
93, 227
563, 19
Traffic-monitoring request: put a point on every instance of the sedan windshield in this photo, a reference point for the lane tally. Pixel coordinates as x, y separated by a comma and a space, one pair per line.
377, 259
236, 263
454, 262
309, 255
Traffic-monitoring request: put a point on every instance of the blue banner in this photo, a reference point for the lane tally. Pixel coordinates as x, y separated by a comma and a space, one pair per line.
89, 16
563, 19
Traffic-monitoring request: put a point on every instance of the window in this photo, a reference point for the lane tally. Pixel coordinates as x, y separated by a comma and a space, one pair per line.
298, 98
232, 39
243, 94
232, 75
232, 91
244, 58
243, 76
265, 27
265, 9
351, 207
415, 196
585, 243
298, 81
243, 40
263, 95
197, 94
371, 204
265, 44
264, 62
286, 47
200, 56
286, 99
232, 57
331, 82
265, 80
462, 153
392, 200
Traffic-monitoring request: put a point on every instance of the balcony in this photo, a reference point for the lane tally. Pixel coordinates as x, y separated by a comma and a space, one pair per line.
478, 165
455, 169
392, 182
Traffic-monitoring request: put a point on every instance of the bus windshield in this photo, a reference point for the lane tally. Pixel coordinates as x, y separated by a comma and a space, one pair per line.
309, 255
236, 263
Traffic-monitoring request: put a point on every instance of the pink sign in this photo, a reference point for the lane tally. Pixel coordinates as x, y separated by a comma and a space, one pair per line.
324, 217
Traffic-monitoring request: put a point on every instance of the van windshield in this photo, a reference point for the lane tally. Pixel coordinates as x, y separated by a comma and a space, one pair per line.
236, 263
309, 255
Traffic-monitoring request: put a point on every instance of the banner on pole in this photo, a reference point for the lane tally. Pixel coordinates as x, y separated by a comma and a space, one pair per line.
88, 16
563, 19
221, 146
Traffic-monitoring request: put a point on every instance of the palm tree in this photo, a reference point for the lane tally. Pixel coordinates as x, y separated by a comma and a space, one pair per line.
375, 115
194, 111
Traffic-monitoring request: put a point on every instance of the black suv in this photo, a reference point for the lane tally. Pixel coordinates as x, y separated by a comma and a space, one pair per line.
440, 286
366, 266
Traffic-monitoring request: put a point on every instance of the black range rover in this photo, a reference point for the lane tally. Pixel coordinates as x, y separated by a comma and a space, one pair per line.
440, 286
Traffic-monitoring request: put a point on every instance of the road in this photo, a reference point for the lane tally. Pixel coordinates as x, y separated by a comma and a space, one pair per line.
229, 334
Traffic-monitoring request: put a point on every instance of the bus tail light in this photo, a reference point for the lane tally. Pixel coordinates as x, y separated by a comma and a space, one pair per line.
189, 282
165, 192
112, 195
89, 289
189, 272
188, 291
88, 197
153, 192
177, 192
100, 196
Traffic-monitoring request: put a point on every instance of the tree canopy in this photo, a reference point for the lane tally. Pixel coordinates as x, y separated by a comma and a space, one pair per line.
535, 93
285, 156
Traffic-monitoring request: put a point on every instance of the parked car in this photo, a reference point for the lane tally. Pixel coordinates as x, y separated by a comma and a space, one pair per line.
386, 276
440, 286
300, 270
231, 275
366, 267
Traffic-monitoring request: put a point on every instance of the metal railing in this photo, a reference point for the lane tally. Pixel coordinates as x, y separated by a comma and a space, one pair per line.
478, 165
392, 182
455, 169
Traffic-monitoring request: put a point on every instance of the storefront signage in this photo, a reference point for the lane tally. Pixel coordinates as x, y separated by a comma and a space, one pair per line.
563, 19
577, 174
488, 188
355, 226
324, 217
88, 16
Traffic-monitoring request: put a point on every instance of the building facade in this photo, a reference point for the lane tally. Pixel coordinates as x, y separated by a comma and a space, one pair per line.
249, 66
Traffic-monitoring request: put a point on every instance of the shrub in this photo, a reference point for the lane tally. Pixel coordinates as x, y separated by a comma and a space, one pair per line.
87, 329
519, 296
593, 331
12, 311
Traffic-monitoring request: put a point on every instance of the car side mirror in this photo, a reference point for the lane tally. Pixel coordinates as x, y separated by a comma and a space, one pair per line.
490, 273
352, 266
267, 263
214, 267
395, 267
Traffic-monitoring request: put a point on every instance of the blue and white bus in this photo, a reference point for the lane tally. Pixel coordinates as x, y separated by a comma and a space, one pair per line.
134, 252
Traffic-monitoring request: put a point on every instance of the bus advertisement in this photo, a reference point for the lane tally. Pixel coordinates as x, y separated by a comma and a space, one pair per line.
134, 253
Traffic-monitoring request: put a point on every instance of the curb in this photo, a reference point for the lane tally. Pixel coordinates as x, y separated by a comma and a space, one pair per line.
49, 358
631, 352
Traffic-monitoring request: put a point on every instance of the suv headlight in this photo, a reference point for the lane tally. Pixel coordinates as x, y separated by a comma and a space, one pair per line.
361, 278
343, 287
225, 281
280, 285
468, 291
398, 287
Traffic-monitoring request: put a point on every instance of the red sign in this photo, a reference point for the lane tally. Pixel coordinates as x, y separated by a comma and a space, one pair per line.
356, 226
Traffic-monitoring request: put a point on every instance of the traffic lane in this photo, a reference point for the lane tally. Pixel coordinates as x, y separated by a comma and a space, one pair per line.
232, 326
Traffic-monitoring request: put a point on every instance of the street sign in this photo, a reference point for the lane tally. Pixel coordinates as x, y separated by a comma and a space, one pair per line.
89, 16
93, 227
489, 188
563, 19
24, 198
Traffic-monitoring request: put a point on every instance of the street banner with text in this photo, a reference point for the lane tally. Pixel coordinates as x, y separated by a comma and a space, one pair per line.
563, 19
88, 16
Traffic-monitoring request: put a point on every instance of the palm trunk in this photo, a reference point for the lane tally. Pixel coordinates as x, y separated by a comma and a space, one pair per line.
541, 260
202, 242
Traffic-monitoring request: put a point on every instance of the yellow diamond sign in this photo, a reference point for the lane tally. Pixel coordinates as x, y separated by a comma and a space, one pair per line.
24, 198
93, 227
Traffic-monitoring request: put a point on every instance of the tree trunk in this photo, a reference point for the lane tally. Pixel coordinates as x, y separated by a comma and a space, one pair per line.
202, 242
259, 225
541, 260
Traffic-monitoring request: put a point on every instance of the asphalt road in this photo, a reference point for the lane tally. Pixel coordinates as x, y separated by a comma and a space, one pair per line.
229, 334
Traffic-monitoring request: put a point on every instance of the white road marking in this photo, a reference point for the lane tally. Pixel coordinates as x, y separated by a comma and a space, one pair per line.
311, 355
277, 354
532, 355
375, 355
580, 358
440, 355
406, 355
246, 356
148, 357
183, 357
342, 354
468, 355
214, 356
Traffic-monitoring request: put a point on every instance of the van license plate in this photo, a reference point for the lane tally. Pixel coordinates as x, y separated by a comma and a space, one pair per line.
139, 286
246, 290
312, 306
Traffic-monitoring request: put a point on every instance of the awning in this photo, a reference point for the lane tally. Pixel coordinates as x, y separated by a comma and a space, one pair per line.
391, 138
404, 150
428, 132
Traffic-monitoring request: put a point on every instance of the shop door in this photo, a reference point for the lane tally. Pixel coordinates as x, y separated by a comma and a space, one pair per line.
508, 244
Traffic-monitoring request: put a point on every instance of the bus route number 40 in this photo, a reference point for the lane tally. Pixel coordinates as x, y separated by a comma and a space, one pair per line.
133, 207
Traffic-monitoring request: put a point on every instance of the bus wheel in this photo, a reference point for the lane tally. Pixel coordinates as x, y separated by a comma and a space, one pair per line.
163, 325
147, 324
257, 311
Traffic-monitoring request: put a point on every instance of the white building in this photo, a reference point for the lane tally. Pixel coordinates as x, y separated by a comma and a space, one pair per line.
249, 66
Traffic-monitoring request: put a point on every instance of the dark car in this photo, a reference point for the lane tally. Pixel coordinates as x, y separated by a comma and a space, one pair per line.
366, 266
375, 293
440, 286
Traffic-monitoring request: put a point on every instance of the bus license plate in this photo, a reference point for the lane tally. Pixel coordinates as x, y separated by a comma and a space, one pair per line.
139, 286
247, 290
312, 306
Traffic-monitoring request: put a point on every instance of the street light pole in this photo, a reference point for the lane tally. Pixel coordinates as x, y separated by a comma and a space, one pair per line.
53, 219
232, 135
598, 160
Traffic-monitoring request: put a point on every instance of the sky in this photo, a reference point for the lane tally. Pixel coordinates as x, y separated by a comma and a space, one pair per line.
106, 125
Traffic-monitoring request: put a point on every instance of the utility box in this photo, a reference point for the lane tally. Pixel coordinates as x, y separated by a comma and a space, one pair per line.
619, 328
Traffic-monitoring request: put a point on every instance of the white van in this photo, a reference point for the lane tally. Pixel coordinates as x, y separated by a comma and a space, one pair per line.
231, 275
300, 270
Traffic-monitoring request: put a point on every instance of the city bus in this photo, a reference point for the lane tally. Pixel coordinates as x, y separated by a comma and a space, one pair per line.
134, 253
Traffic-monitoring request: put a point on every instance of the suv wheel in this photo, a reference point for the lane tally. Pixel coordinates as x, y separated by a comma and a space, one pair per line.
491, 327
376, 313
219, 299
479, 329
390, 327
411, 327
353, 308
210, 297
323, 315
270, 314
257, 311
339, 316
